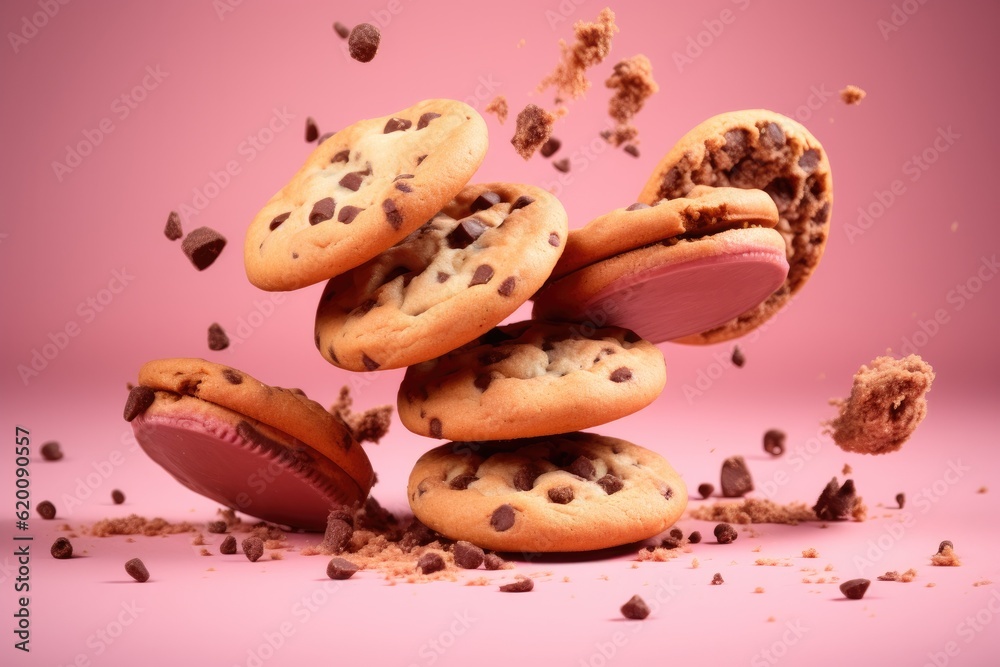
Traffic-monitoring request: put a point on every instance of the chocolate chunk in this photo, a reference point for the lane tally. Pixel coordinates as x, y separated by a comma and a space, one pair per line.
809, 160
434, 426
554, 240
495, 336
737, 145
854, 589
396, 125
392, 214
717, 579
117, 497
352, 181
561, 495
348, 213
217, 338
483, 274
836, 502
340, 568
62, 548
638, 206
549, 147
423, 122
203, 246
253, 548
137, 570
46, 510
483, 381
403, 187
342, 156
524, 478
51, 451
622, 374
632, 150
443, 277
467, 555
900, 499
507, 286
278, 219
420, 158
492, 357
670, 542
228, 546
217, 527
562, 165
772, 136
341, 29
369, 363
502, 518
705, 489
735, 478
139, 399
521, 585
521, 202
774, 442
312, 131
484, 201
945, 544
738, 359
461, 482
493, 562
337, 536
694, 537
173, 228
231, 376
417, 535
430, 563
610, 484
362, 42
582, 467
635, 609
725, 533
466, 232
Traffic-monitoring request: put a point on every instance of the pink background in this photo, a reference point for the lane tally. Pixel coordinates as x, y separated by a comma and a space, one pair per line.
920, 271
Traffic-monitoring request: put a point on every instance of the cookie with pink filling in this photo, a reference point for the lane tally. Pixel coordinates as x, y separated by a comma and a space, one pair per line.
266, 451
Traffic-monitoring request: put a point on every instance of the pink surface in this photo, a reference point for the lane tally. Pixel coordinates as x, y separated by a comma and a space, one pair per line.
117, 113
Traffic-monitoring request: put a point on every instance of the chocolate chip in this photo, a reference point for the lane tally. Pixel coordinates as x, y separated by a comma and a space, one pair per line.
341, 29
900, 499
524, 478
362, 42
622, 374
483, 274
735, 478
392, 214
430, 563
610, 484
484, 201
521, 202
139, 399
809, 160
443, 277
461, 482
492, 357
507, 286
369, 363
403, 187
554, 240
434, 426
737, 145
217, 527
550, 147
312, 131
522, 585
228, 546
725, 533
668, 493
337, 536
466, 232
483, 381
670, 543
945, 544
694, 537
854, 589
203, 246
425, 120
774, 442
493, 562
582, 467
342, 156
340, 568
173, 228
836, 502
217, 338
51, 451
772, 136
137, 570
635, 609
562, 165
253, 548
632, 150
231, 376
352, 181
677, 533
46, 510
62, 548
348, 213
117, 497
705, 489
638, 206
717, 579
278, 219
738, 359
467, 555
561, 495
420, 158
502, 518
396, 125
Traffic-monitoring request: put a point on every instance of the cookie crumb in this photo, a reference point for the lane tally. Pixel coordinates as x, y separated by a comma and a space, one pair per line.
217, 338
342, 31
946, 557
772, 562
498, 107
836, 502
591, 47
632, 81
755, 510
717, 579
368, 426
738, 357
982, 582
137, 570
887, 402
774, 442
854, 589
893, 575
62, 548
810, 553
363, 41
523, 584
635, 609
759, 589
51, 451
198, 540
533, 129
695, 564
982, 489
203, 246
205, 552
851, 94
846, 470
173, 230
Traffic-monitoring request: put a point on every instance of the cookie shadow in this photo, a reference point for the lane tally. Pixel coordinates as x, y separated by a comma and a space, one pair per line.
609, 553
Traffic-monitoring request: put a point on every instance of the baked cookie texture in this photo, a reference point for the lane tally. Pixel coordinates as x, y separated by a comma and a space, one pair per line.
762, 150
531, 379
268, 451
470, 266
362, 190
571, 492
888, 401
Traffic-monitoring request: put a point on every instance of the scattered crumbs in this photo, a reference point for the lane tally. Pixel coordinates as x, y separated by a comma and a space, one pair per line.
810, 553
604, 577
632, 81
829, 567
478, 581
694, 563
982, 582
759, 589
276, 555
658, 554
772, 562
592, 45
498, 107
209, 569
756, 549
754, 510
946, 557
205, 552
65, 526
905, 577
851, 94
847, 470
127, 539
565, 579
368, 426
134, 524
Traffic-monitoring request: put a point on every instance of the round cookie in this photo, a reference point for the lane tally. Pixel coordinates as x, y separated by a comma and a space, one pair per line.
571, 492
763, 150
362, 190
531, 379
684, 265
463, 272
267, 451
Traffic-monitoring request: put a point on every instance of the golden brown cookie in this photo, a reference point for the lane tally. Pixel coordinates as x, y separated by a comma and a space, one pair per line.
571, 492
362, 190
531, 379
459, 275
